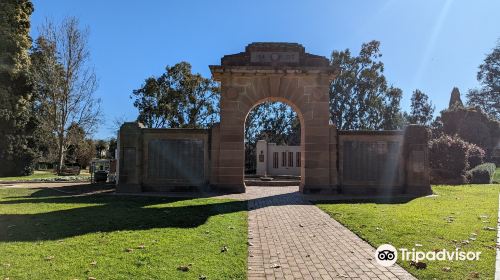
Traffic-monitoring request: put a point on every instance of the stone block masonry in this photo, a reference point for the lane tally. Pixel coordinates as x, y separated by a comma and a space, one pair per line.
331, 161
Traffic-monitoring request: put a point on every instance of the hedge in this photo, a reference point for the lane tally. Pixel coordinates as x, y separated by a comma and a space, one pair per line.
451, 157
482, 174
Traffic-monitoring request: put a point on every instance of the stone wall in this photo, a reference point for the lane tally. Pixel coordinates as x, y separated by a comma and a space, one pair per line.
163, 159
371, 161
360, 162
384, 162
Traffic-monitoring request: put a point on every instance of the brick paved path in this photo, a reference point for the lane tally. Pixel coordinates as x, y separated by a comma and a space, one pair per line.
292, 239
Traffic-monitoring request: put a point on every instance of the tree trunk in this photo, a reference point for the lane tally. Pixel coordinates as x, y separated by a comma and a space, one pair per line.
60, 152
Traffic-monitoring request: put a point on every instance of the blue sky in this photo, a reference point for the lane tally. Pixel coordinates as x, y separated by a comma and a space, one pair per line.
432, 45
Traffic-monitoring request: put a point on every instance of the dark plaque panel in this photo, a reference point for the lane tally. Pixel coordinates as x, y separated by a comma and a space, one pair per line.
179, 160
373, 162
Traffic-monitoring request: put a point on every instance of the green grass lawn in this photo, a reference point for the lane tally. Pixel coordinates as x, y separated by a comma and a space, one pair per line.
47, 236
38, 175
444, 221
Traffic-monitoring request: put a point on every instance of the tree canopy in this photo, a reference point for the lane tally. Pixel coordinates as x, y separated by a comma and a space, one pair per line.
177, 99
359, 96
17, 124
64, 82
488, 96
275, 122
422, 109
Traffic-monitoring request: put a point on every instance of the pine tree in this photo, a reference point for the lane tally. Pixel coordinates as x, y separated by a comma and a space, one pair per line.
16, 122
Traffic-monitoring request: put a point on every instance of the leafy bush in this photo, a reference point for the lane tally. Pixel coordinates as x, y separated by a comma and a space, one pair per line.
476, 155
451, 157
69, 171
482, 174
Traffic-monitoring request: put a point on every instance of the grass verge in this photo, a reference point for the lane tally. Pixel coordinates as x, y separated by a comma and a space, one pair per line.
46, 176
462, 217
48, 236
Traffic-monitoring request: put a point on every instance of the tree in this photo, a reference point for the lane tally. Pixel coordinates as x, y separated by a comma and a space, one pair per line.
116, 124
177, 99
271, 121
455, 100
422, 109
65, 83
16, 121
75, 138
112, 146
359, 95
488, 96
275, 122
85, 153
392, 116
100, 147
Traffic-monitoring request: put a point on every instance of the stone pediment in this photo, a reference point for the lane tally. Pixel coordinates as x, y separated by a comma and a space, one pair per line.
275, 54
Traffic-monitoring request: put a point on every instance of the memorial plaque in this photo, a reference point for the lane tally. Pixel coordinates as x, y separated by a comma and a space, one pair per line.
268, 57
367, 161
179, 160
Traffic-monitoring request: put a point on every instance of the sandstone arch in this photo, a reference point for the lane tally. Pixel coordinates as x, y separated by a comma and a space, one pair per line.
278, 72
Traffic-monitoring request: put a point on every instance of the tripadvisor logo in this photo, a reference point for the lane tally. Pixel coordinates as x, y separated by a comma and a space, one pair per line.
387, 255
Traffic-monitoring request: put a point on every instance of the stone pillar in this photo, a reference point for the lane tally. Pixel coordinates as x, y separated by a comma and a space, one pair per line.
232, 149
130, 158
316, 138
416, 157
262, 158
316, 168
334, 181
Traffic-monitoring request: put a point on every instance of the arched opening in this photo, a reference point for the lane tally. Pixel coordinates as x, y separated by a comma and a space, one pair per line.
273, 140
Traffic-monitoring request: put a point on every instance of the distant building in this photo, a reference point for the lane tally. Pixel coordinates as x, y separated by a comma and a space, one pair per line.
275, 159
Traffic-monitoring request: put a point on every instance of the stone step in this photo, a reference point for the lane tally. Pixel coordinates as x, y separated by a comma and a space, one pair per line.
273, 183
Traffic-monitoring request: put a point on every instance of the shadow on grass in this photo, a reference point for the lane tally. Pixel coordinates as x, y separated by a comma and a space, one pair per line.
107, 214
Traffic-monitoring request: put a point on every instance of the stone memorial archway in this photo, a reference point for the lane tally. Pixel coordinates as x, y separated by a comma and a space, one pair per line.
274, 72
346, 162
